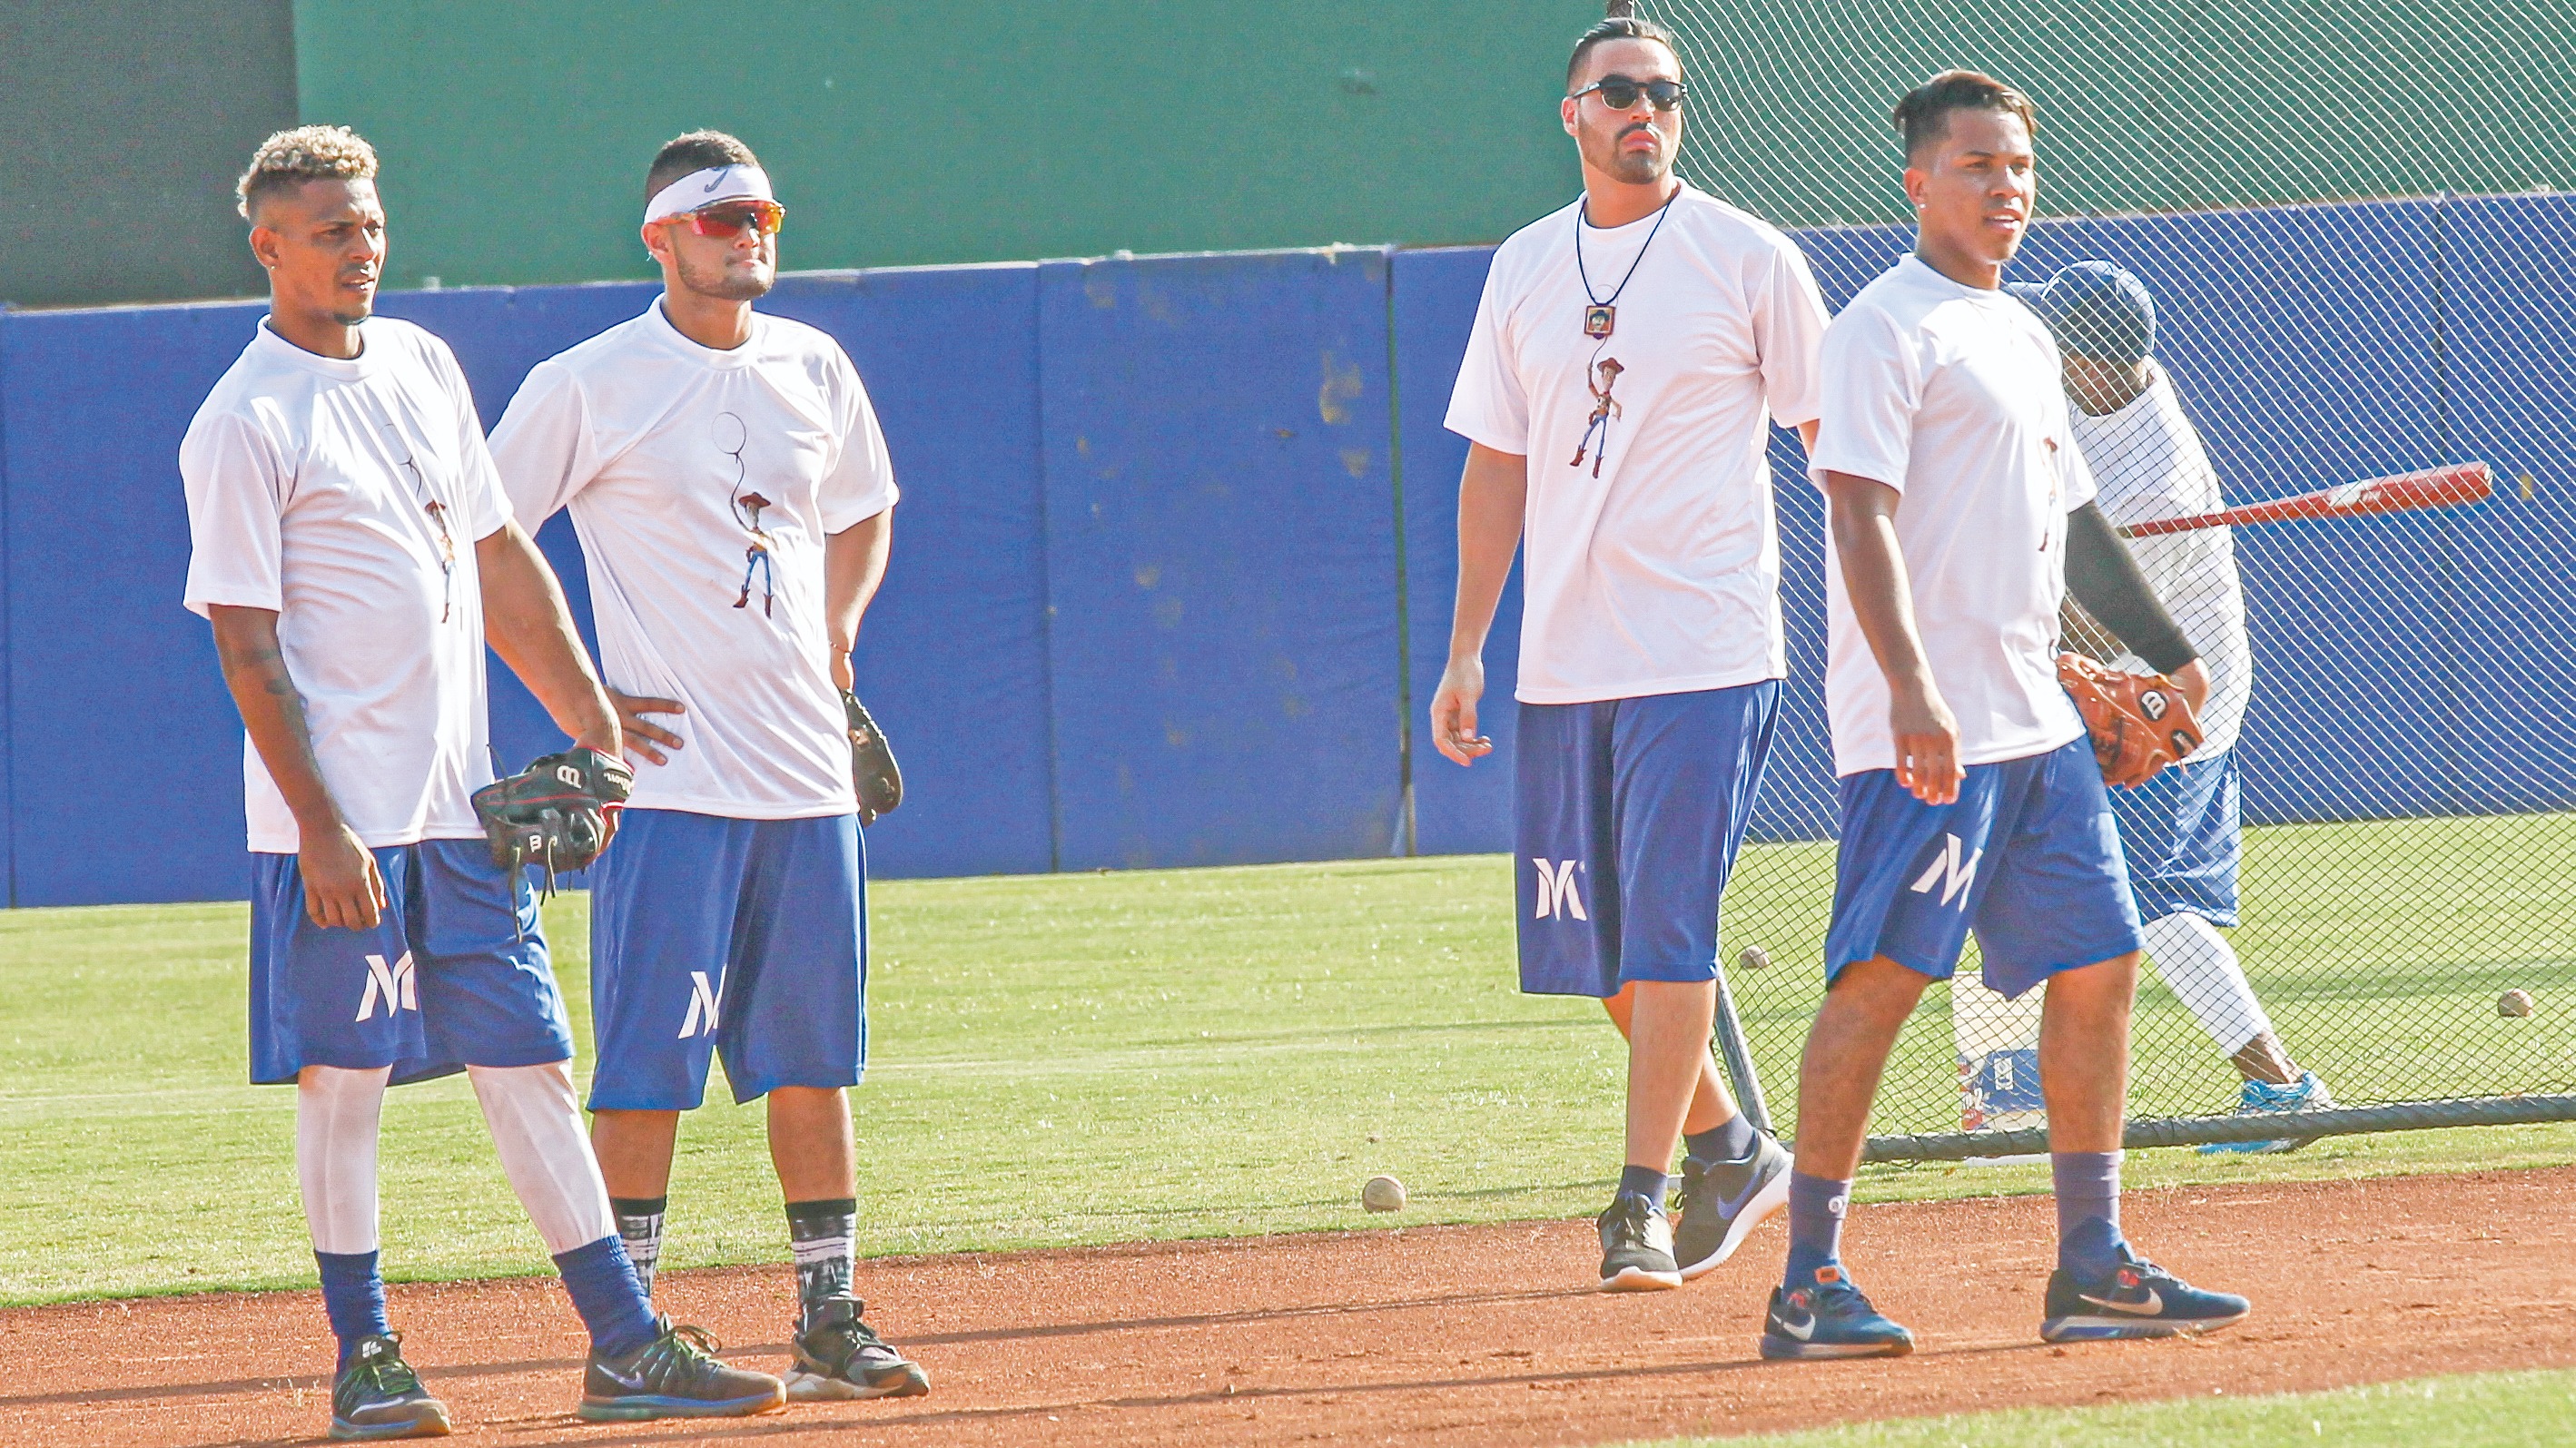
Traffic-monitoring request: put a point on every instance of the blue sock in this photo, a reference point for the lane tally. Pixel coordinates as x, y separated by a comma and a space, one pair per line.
604, 1292
1644, 1181
2088, 1210
1729, 1140
1816, 1207
353, 1293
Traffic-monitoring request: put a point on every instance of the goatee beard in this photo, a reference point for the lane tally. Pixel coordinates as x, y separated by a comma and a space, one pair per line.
725, 287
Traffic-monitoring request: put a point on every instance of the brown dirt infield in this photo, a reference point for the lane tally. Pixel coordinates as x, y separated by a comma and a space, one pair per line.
1469, 1334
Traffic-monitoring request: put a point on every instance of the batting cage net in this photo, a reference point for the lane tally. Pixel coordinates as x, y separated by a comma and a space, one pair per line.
2344, 216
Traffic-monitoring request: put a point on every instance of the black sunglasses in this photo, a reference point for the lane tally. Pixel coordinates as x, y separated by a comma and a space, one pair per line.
1620, 93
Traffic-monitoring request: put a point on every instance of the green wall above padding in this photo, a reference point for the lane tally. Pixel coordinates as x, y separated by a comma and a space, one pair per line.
515, 135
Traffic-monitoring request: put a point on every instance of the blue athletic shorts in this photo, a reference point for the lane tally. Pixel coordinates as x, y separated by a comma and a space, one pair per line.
746, 937
2027, 855
454, 975
2183, 834
1627, 815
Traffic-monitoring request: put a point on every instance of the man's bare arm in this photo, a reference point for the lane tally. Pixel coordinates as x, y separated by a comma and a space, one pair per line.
525, 619
854, 564
1882, 600
1493, 492
341, 886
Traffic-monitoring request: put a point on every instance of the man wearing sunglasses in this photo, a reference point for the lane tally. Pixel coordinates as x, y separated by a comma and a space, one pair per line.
732, 492
1615, 390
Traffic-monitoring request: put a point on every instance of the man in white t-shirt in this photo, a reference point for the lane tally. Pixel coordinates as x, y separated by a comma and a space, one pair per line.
1961, 513
734, 502
1615, 390
351, 547
2181, 830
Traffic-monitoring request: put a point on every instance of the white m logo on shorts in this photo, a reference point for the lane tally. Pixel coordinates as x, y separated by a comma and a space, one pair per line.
702, 1006
1948, 873
393, 982
1557, 896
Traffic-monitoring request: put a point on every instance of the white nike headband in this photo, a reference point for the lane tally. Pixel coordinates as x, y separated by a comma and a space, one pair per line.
700, 189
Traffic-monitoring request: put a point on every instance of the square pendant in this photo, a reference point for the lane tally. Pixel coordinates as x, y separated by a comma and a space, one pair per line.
1597, 321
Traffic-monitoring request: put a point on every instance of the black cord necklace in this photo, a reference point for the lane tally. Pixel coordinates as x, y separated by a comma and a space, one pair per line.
1601, 317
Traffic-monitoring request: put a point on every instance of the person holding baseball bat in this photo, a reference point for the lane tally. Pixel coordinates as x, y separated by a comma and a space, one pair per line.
2181, 829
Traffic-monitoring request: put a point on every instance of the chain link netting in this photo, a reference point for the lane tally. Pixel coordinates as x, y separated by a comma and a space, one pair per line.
2347, 217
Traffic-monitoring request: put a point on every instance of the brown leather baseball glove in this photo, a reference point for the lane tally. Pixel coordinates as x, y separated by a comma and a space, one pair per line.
2139, 722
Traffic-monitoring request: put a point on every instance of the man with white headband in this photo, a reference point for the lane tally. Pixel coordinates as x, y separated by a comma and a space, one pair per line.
725, 472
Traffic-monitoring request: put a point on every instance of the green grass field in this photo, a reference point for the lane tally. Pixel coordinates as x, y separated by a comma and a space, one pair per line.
1091, 1058
2491, 1410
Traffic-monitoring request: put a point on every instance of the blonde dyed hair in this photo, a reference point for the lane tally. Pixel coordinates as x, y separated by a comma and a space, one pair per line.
305, 153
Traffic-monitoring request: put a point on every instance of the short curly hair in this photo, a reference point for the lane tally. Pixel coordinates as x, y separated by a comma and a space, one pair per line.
306, 153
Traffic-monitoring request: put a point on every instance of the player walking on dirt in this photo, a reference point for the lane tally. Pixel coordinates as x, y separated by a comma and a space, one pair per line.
351, 547
1614, 393
2182, 830
735, 503
1961, 512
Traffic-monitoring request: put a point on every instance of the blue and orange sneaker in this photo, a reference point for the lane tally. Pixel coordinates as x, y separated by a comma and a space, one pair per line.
1830, 1319
2138, 1299
2262, 1098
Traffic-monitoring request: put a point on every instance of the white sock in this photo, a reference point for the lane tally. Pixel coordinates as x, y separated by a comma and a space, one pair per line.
2201, 968
536, 1125
336, 1114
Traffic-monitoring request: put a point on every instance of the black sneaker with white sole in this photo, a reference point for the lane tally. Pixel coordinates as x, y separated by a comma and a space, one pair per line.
676, 1375
839, 1357
1637, 1246
1723, 1201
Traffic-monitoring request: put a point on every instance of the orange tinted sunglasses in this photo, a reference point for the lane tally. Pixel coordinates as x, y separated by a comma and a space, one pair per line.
728, 219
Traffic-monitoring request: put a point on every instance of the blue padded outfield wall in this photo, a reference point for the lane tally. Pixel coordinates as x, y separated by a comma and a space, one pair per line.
1173, 569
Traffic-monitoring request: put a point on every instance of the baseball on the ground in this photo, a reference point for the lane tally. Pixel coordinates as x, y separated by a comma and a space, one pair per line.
2514, 1003
1754, 957
1382, 1194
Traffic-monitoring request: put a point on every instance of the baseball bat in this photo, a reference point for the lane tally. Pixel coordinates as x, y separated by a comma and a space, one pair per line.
2404, 492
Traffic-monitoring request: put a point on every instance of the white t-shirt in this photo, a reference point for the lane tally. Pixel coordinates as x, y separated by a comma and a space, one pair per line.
703, 484
1951, 395
2148, 460
311, 484
1651, 566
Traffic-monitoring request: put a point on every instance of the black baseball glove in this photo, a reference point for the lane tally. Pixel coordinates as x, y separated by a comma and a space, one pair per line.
872, 766
555, 812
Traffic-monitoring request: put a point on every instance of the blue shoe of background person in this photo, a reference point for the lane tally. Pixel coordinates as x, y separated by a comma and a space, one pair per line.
2137, 1299
1723, 1201
2263, 1098
378, 1396
1829, 1319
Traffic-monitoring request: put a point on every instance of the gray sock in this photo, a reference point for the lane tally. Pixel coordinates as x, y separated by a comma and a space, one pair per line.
639, 1223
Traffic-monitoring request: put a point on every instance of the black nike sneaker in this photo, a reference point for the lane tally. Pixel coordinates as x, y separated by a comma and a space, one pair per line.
676, 1375
839, 1357
1637, 1246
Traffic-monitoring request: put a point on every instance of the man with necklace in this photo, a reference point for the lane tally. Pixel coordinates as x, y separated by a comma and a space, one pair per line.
1615, 389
